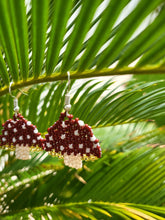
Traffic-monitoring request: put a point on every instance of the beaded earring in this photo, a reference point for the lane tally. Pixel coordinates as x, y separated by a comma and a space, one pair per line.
19, 134
71, 139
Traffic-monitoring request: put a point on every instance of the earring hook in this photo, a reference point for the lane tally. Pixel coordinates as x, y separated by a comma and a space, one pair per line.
67, 105
10, 90
16, 107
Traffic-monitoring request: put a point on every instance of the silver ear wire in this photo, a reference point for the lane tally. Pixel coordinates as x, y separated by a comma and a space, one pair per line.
10, 90
16, 107
67, 105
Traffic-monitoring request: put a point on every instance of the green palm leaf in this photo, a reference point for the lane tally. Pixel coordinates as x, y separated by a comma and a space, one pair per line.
44, 103
19, 19
39, 28
39, 42
141, 164
90, 211
138, 178
53, 48
7, 42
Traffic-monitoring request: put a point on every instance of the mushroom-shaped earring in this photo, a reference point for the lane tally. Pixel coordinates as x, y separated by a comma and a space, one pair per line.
20, 135
71, 139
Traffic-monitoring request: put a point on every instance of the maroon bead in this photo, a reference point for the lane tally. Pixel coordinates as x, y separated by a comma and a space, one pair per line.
82, 135
76, 119
13, 134
96, 141
70, 117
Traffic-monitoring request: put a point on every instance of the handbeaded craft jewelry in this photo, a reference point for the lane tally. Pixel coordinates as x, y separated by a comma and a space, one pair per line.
71, 139
20, 135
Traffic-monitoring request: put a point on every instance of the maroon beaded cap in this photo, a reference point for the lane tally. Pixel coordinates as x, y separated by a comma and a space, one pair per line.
72, 136
20, 132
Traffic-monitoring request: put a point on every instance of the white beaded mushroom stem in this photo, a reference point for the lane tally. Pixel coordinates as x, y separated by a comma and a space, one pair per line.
73, 161
22, 152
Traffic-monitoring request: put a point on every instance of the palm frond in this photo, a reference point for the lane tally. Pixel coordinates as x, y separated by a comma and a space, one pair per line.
139, 174
108, 106
132, 171
39, 28
138, 46
7, 42
39, 42
152, 138
50, 44
118, 137
19, 19
90, 210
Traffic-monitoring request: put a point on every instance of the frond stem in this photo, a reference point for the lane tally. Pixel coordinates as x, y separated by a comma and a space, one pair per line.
86, 74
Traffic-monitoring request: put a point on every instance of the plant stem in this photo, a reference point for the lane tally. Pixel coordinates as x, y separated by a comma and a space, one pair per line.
86, 74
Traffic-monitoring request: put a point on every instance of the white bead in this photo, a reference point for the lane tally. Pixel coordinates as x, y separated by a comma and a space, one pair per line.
23, 126
67, 107
73, 161
93, 138
22, 152
28, 136
21, 138
95, 145
6, 133
51, 138
15, 130
80, 146
3, 139
39, 137
63, 136
71, 146
63, 124
16, 109
9, 126
14, 139
35, 131
76, 133
81, 123
34, 141
28, 122
61, 148
87, 150
48, 145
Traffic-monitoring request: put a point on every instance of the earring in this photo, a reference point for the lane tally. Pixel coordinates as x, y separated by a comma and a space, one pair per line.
71, 139
19, 134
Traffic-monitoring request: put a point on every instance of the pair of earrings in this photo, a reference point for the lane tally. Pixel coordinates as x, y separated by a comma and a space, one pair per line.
67, 138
